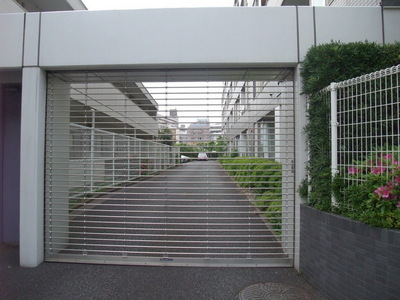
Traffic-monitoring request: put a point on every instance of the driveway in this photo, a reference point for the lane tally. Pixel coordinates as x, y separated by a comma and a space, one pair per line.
184, 215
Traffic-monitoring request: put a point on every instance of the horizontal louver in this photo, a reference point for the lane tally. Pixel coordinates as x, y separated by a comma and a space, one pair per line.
180, 167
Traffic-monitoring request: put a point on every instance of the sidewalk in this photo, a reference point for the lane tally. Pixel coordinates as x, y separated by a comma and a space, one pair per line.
85, 281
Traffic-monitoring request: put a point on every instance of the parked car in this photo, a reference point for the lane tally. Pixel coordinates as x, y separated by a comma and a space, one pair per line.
184, 158
202, 156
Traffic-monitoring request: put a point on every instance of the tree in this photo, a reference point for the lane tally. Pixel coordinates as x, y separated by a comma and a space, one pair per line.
165, 136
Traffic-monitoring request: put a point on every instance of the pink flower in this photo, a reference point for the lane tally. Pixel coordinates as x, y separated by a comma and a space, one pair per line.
388, 156
353, 170
383, 192
378, 170
398, 204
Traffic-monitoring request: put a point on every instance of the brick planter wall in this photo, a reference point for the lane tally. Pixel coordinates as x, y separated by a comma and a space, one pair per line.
346, 259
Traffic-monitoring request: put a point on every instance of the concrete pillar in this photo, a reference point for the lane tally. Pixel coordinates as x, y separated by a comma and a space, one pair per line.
32, 166
301, 155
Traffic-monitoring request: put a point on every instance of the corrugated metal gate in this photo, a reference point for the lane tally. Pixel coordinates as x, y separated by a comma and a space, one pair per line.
176, 167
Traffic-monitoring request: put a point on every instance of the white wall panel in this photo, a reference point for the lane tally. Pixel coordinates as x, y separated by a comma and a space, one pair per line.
11, 37
31, 54
9, 6
169, 36
392, 25
306, 30
348, 24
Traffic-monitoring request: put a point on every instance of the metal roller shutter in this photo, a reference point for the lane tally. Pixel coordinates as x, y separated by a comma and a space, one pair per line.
170, 167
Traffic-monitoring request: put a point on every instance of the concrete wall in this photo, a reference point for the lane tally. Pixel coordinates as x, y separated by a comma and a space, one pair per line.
247, 36
9, 6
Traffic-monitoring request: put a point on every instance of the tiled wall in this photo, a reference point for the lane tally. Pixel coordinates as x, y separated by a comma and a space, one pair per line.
348, 260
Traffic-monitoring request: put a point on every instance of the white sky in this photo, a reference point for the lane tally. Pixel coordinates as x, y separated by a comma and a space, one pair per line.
318, 2
204, 99
141, 4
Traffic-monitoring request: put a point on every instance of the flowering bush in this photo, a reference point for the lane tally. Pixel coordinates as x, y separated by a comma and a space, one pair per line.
369, 191
382, 174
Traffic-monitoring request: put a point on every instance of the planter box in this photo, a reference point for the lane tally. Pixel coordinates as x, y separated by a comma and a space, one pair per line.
347, 259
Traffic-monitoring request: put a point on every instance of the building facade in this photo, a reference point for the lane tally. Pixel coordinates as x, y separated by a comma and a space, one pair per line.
198, 132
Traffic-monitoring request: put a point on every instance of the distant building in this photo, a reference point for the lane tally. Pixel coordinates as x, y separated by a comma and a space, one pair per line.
182, 136
215, 131
272, 2
199, 132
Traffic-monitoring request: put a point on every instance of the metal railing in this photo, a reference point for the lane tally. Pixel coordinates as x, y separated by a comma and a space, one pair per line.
99, 159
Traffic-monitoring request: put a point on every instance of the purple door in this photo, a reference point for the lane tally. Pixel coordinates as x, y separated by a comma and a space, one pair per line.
10, 127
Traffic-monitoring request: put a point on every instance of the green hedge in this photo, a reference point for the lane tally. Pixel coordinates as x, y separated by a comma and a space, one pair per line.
323, 64
264, 177
335, 62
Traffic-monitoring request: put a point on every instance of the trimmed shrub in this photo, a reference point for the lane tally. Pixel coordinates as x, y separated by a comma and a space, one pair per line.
264, 177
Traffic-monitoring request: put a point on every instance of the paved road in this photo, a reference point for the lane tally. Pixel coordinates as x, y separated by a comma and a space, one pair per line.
190, 212
63, 281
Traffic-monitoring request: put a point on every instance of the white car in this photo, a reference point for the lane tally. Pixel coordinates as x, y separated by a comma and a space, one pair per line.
202, 156
184, 158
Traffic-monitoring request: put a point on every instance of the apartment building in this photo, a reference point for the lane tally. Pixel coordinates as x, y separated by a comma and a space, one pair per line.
272, 2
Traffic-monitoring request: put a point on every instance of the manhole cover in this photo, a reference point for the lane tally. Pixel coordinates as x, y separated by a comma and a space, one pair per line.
272, 291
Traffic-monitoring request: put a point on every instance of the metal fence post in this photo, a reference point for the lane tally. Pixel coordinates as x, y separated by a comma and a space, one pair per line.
334, 135
92, 149
113, 158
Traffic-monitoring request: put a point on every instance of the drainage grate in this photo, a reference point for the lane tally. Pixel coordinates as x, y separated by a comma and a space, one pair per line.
272, 291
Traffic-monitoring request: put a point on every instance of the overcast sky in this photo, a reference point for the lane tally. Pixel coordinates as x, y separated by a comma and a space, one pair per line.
140, 4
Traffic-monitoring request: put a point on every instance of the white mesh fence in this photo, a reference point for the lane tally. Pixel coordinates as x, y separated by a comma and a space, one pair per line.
365, 131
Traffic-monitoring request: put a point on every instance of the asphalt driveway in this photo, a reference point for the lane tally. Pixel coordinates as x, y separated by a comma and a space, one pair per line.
194, 212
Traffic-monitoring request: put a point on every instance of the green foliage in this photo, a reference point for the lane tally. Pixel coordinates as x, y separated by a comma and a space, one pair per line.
188, 150
303, 189
319, 166
214, 149
336, 61
260, 174
264, 177
166, 136
272, 209
323, 64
